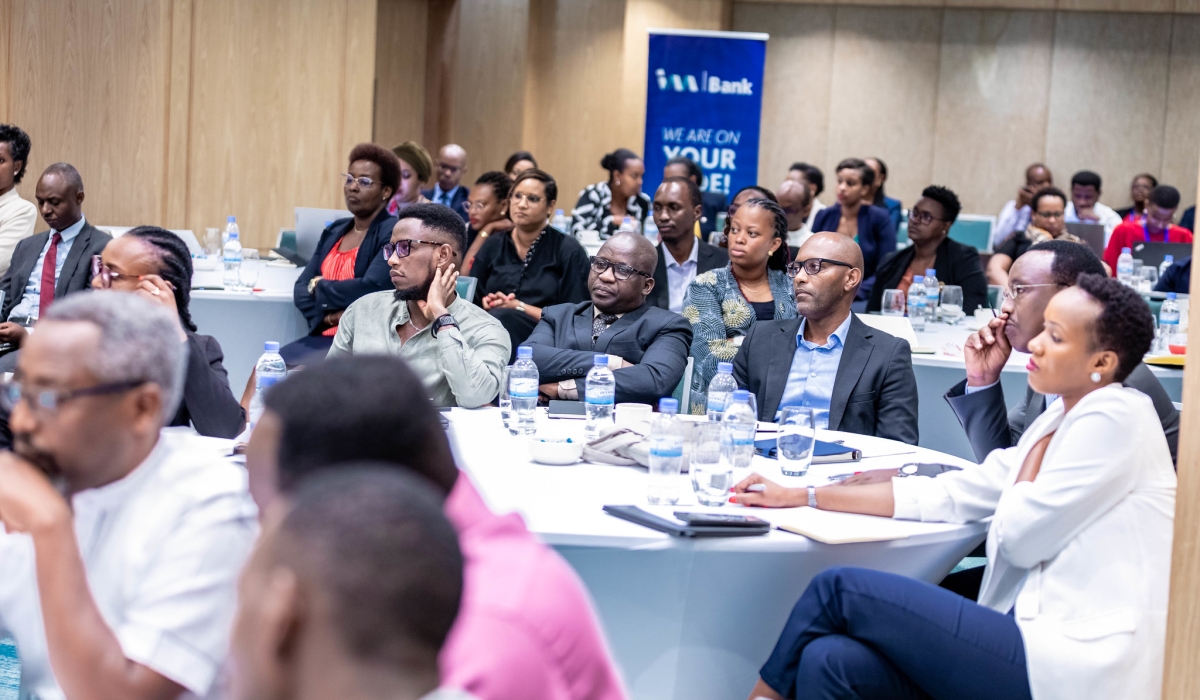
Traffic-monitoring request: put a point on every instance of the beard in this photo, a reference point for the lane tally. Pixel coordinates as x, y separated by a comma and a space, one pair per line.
44, 461
417, 293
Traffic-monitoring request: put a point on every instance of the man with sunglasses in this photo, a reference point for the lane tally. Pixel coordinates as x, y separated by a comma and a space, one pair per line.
448, 191
647, 346
854, 378
122, 541
457, 348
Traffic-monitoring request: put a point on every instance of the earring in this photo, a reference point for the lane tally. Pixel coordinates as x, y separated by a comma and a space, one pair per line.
1096, 377
618, 181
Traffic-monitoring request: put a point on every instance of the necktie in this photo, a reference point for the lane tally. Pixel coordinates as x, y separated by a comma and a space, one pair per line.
446, 198
46, 293
601, 324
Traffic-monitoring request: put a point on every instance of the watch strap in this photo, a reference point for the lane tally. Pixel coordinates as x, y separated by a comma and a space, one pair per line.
812, 496
441, 322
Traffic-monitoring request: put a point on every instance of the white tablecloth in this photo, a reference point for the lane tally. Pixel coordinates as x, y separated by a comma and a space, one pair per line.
686, 619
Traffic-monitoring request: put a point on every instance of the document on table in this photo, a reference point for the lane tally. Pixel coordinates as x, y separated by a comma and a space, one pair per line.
837, 528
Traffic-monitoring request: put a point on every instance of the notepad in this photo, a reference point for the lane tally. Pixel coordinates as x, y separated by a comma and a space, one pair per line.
835, 528
823, 452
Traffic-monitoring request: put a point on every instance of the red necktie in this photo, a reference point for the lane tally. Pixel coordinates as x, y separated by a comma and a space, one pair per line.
46, 294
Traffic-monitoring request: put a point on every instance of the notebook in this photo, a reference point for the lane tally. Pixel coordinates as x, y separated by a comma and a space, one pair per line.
836, 528
823, 452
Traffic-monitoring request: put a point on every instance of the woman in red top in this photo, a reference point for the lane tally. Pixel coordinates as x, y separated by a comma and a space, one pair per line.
1157, 228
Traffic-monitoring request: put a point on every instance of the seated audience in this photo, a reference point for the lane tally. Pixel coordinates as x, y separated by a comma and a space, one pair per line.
855, 217
877, 196
156, 265
814, 179
681, 255
348, 263
723, 304
711, 202
929, 224
1188, 220
350, 593
1177, 278
451, 166
1139, 194
647, 347
525, 628
52, 264
123, 541
457, 349
979, 401
533, 266
1016, 214
721, 238
796, 200
416, 168
1046, 223
603, 206
487, 209
1085, 206
518, 163
1155, 227
17, 216
854, 378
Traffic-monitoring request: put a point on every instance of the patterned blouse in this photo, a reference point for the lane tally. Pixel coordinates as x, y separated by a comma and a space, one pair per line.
593, 211
720, 317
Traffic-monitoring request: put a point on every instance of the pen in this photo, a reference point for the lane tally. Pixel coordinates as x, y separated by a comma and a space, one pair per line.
994, 314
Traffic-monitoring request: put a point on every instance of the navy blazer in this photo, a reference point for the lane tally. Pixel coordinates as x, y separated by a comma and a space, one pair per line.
656, 341
876, 237
954, 262
371, 271
874, 390
208, 403
456, 200
709, 257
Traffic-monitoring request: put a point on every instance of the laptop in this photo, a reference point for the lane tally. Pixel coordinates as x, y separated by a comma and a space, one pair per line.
310, 224
1152, 253
1091, 234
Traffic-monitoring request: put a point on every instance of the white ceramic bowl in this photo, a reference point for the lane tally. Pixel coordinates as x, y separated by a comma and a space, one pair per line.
555, 451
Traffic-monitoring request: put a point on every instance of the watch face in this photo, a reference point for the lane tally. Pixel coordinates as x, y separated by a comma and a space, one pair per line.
909, 469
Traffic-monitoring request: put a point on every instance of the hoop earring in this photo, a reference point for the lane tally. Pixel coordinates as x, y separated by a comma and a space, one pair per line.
1096, 377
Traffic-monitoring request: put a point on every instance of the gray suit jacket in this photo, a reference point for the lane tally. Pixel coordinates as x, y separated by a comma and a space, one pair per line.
990, 426
874, 392
76, 272
656, 341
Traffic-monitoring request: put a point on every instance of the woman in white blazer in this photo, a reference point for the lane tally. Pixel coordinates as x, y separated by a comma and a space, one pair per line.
1074, 598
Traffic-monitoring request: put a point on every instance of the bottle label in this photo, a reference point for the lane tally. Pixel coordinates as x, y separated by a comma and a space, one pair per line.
665, 448
523, 388
716, 402
263, 381
600, 396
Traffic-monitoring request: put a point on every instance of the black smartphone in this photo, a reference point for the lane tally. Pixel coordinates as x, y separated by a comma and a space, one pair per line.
720, 520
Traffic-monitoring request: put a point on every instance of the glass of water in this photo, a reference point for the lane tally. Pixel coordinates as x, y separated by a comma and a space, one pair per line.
711, 478
1147, 278
505, 401
797, 436
952, 304
248, 272
893, 302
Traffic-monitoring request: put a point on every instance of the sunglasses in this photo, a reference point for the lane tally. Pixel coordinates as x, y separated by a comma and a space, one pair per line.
402, 249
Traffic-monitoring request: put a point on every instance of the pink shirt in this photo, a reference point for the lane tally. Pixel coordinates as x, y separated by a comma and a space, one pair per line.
526, 628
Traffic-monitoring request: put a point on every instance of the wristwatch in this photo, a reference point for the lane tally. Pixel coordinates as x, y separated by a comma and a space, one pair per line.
521, 307
812, 496
312, 283
441, 322
908, 470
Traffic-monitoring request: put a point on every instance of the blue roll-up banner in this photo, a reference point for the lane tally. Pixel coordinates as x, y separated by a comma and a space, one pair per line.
704, 101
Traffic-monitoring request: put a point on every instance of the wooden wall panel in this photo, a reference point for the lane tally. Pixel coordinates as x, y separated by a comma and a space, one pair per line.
400, 54
1182, 128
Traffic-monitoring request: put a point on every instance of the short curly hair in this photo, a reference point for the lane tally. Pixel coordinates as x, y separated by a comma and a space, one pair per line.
945, 197
1125, 324
389, 165
18, 146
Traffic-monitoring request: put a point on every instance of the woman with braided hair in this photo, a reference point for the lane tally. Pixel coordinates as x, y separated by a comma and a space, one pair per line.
156, 265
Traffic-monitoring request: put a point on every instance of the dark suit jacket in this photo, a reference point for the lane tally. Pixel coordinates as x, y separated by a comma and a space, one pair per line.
874, 392
876, 237
371, 271
711, 203
456, 201
955, 264
709, 257
76, 272
208, 404
656, 341
990, 426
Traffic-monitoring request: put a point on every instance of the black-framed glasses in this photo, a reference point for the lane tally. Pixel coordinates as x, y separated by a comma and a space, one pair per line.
402, 249
106, 274
812, 266
13, 392
620, 270
363, 182
922, 217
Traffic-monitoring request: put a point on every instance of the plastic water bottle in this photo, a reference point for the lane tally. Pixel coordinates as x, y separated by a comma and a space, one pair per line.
1168, 321
666, 454
629, 225
269, 370
738, 426
560, 221
650, 230
523, 388
600, 392
917, 303
1125, 267
231, 256
932, 294
719, 388
1168, 260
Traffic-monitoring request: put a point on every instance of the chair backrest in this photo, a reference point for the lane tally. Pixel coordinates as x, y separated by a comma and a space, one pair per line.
974, 230
902, 231
465, 286
683, 392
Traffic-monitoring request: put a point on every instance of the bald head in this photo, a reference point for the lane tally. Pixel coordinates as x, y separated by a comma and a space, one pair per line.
834, 246
796, 200
612, 295
451, 166
641, 253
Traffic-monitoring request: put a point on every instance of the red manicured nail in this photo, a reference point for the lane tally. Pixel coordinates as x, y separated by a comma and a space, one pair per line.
733, 499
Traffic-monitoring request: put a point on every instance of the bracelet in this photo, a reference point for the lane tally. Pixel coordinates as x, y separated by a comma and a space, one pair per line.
812, 496
484, 234
521, 307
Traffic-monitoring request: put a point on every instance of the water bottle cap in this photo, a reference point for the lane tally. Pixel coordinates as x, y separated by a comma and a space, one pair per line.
741, 395
725, 368
918, 279
524, 352
1171, 296
1169, 258
230, 219
271, 346
627, 220
600, 360
1126, 250
668, 405
930, 272
558, 212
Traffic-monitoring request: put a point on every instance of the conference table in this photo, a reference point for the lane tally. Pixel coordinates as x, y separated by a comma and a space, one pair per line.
690, 619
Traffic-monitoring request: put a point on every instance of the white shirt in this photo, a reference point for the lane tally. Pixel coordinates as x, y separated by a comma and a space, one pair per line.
1010, 221
31, 302
17, 219
812, 214
679, 275
799, 236
1108, 218
162, 548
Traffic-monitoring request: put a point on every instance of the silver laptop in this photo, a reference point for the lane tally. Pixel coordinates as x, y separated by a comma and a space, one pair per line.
1091, 234
310, 224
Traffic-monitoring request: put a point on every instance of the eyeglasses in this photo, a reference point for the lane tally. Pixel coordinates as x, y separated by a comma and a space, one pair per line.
812, 266
448, 168
1013, 291
106, 274
402, 249
922, 217
533, 199
620, 270
1051, 214
49, 400
363, 182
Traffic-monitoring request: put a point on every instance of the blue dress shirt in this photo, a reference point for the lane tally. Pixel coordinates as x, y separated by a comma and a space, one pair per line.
814, 368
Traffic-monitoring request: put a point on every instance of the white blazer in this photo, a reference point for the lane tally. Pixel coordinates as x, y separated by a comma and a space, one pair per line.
1081, 554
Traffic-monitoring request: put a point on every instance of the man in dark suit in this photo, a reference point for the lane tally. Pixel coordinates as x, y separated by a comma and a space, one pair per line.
448, 191
856, 379
711, 203
52, 264
647, 347
978, 401
681, 256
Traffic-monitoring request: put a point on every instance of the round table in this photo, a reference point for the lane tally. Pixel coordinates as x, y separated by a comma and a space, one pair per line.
687, 619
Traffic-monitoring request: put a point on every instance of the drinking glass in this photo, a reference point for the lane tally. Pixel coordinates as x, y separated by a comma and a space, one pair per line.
952, 304
893, 302
797, 436
505, 401
711, 479
1147, 277
248, 272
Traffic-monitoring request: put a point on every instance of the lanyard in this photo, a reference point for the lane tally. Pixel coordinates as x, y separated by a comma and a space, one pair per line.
1146, 232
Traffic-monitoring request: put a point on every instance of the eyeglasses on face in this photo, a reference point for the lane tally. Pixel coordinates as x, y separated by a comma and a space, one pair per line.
106, 274
922, 217
403, 248
48, 401
812, 266
1015, 290
533, 199
1051, 214
363, 182
620, 270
